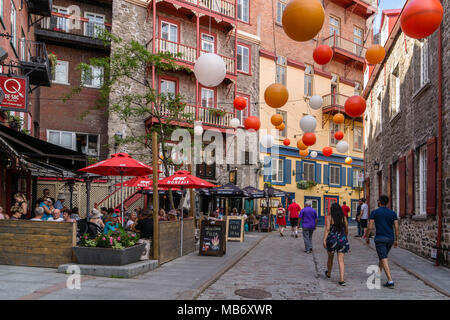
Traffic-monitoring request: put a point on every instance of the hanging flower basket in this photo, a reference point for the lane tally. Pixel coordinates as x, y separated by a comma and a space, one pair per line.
306, 184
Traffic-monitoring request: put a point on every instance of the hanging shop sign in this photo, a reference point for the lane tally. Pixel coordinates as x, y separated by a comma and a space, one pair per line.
15, 90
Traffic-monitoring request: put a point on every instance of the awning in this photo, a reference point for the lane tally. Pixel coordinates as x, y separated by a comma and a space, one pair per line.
39, 154
254, 193
227, 190
272, 192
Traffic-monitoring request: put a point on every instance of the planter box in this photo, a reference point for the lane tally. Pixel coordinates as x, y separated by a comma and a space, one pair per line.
108, 256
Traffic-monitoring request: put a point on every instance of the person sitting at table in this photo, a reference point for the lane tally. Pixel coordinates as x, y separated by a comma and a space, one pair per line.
21, 202
162, 215
47, 206
38, 214
172, 215
112, 225
253, 221
132, 221
67, 215
3, 215
145, 225
96, 217
56, 216
16, 213
75, 214
234, 212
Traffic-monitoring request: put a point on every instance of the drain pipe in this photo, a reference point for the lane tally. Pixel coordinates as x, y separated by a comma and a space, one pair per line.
440, 159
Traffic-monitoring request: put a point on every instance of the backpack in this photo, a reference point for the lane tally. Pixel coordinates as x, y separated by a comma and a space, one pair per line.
280, 213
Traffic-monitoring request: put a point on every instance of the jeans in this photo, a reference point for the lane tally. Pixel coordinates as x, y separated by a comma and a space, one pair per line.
360, 231
307, 238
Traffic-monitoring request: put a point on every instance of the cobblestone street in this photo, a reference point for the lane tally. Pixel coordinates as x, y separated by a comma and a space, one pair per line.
281, 267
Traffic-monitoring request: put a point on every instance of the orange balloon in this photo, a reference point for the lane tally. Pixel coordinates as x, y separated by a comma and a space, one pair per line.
339, 135
252, 122
304, 153
281, 127
301, 145
375, 54
348, 160
309, 138
327, 151
323, 54
338, 118
355, 106
303, 19
420, 18
276, 119
276, 95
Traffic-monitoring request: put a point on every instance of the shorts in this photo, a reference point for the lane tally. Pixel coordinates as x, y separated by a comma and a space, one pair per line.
294, 222
383, 248
363, 223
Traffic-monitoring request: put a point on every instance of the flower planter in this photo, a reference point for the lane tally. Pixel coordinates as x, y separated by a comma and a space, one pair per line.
108, 256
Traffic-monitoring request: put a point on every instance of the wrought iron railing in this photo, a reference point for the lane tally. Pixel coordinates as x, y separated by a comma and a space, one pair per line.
336, 41
209, 116
224, 7
334, 100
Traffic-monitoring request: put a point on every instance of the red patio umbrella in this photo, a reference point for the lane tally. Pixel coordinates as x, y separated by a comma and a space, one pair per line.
184, 180
120, 164
140, 182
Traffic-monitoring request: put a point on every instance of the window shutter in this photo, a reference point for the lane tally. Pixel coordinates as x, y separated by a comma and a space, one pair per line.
287, 171
410, 159
318, 173
350, 177
298, 171
402, 185
431, 176
343, 175
267, 169
326, 174
389, 186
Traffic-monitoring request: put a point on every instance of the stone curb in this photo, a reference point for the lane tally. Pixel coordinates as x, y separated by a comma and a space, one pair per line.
415, 274
195, 293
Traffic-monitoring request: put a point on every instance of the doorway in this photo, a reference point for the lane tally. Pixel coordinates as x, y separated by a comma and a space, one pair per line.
328, 201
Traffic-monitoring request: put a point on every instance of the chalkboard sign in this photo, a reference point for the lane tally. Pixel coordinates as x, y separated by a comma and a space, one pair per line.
264, 223
235, 228
212, 238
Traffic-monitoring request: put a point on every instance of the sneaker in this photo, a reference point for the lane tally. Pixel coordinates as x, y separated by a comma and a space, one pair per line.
326, 274
389, 285
296, 235
342, 283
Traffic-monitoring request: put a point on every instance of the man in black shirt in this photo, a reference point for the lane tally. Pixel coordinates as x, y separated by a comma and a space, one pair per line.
358, 219
145, 225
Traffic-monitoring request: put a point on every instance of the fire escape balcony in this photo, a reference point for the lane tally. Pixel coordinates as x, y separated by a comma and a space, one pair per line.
359, 7
34, 62
346, 51
334, 103
40, 7
188, 55
72, 30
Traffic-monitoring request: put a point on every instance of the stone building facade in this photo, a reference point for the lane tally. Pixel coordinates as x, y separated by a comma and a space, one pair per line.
401, 138
190, 29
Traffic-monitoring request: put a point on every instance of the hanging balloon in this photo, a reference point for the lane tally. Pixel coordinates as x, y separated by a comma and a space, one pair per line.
252, 123
304, 153
327, 151
198, 130
276, 119
286, 142
355, 106
309, 138
281, 127
348, 160
342, 147
210, 70
303, 19
276, 95
313, 154
235, 122
267, 141
316, 102
375, 54
339, 135
420, 18
301, 145
240, 103
308, 123
338, 118
323, 54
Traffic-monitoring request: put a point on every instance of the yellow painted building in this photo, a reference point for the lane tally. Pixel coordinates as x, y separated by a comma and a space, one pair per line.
322, 180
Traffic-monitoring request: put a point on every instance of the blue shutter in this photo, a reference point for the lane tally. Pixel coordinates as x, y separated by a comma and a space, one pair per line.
287, 171
267, 169
343, 175
298, 171
326, 174
318, 173
350, 177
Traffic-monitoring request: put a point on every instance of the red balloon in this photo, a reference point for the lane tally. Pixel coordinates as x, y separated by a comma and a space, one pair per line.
323, 54
252, 122
355, 106
286, 142
420, 18
240, 103
339, 135
327, 151
309, 139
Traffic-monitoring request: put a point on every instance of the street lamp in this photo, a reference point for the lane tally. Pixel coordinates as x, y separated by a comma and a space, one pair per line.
376, 165
117, 137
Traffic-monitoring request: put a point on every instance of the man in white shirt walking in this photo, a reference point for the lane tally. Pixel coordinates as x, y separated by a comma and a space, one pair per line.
364, 216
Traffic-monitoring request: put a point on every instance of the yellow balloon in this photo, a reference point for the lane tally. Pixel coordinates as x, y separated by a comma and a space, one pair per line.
276, 95
304, 153
281, 127
348, 160
303, 19
338, 118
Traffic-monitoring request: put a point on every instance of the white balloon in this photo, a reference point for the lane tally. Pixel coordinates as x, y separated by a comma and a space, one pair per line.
313, 154
342, 147
235, 122
210, 69
267, 141
315, 102
198, 130
308, 123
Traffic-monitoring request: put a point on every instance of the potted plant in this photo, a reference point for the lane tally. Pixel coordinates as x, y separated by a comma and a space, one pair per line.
116, 248
306, 184
217, 112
